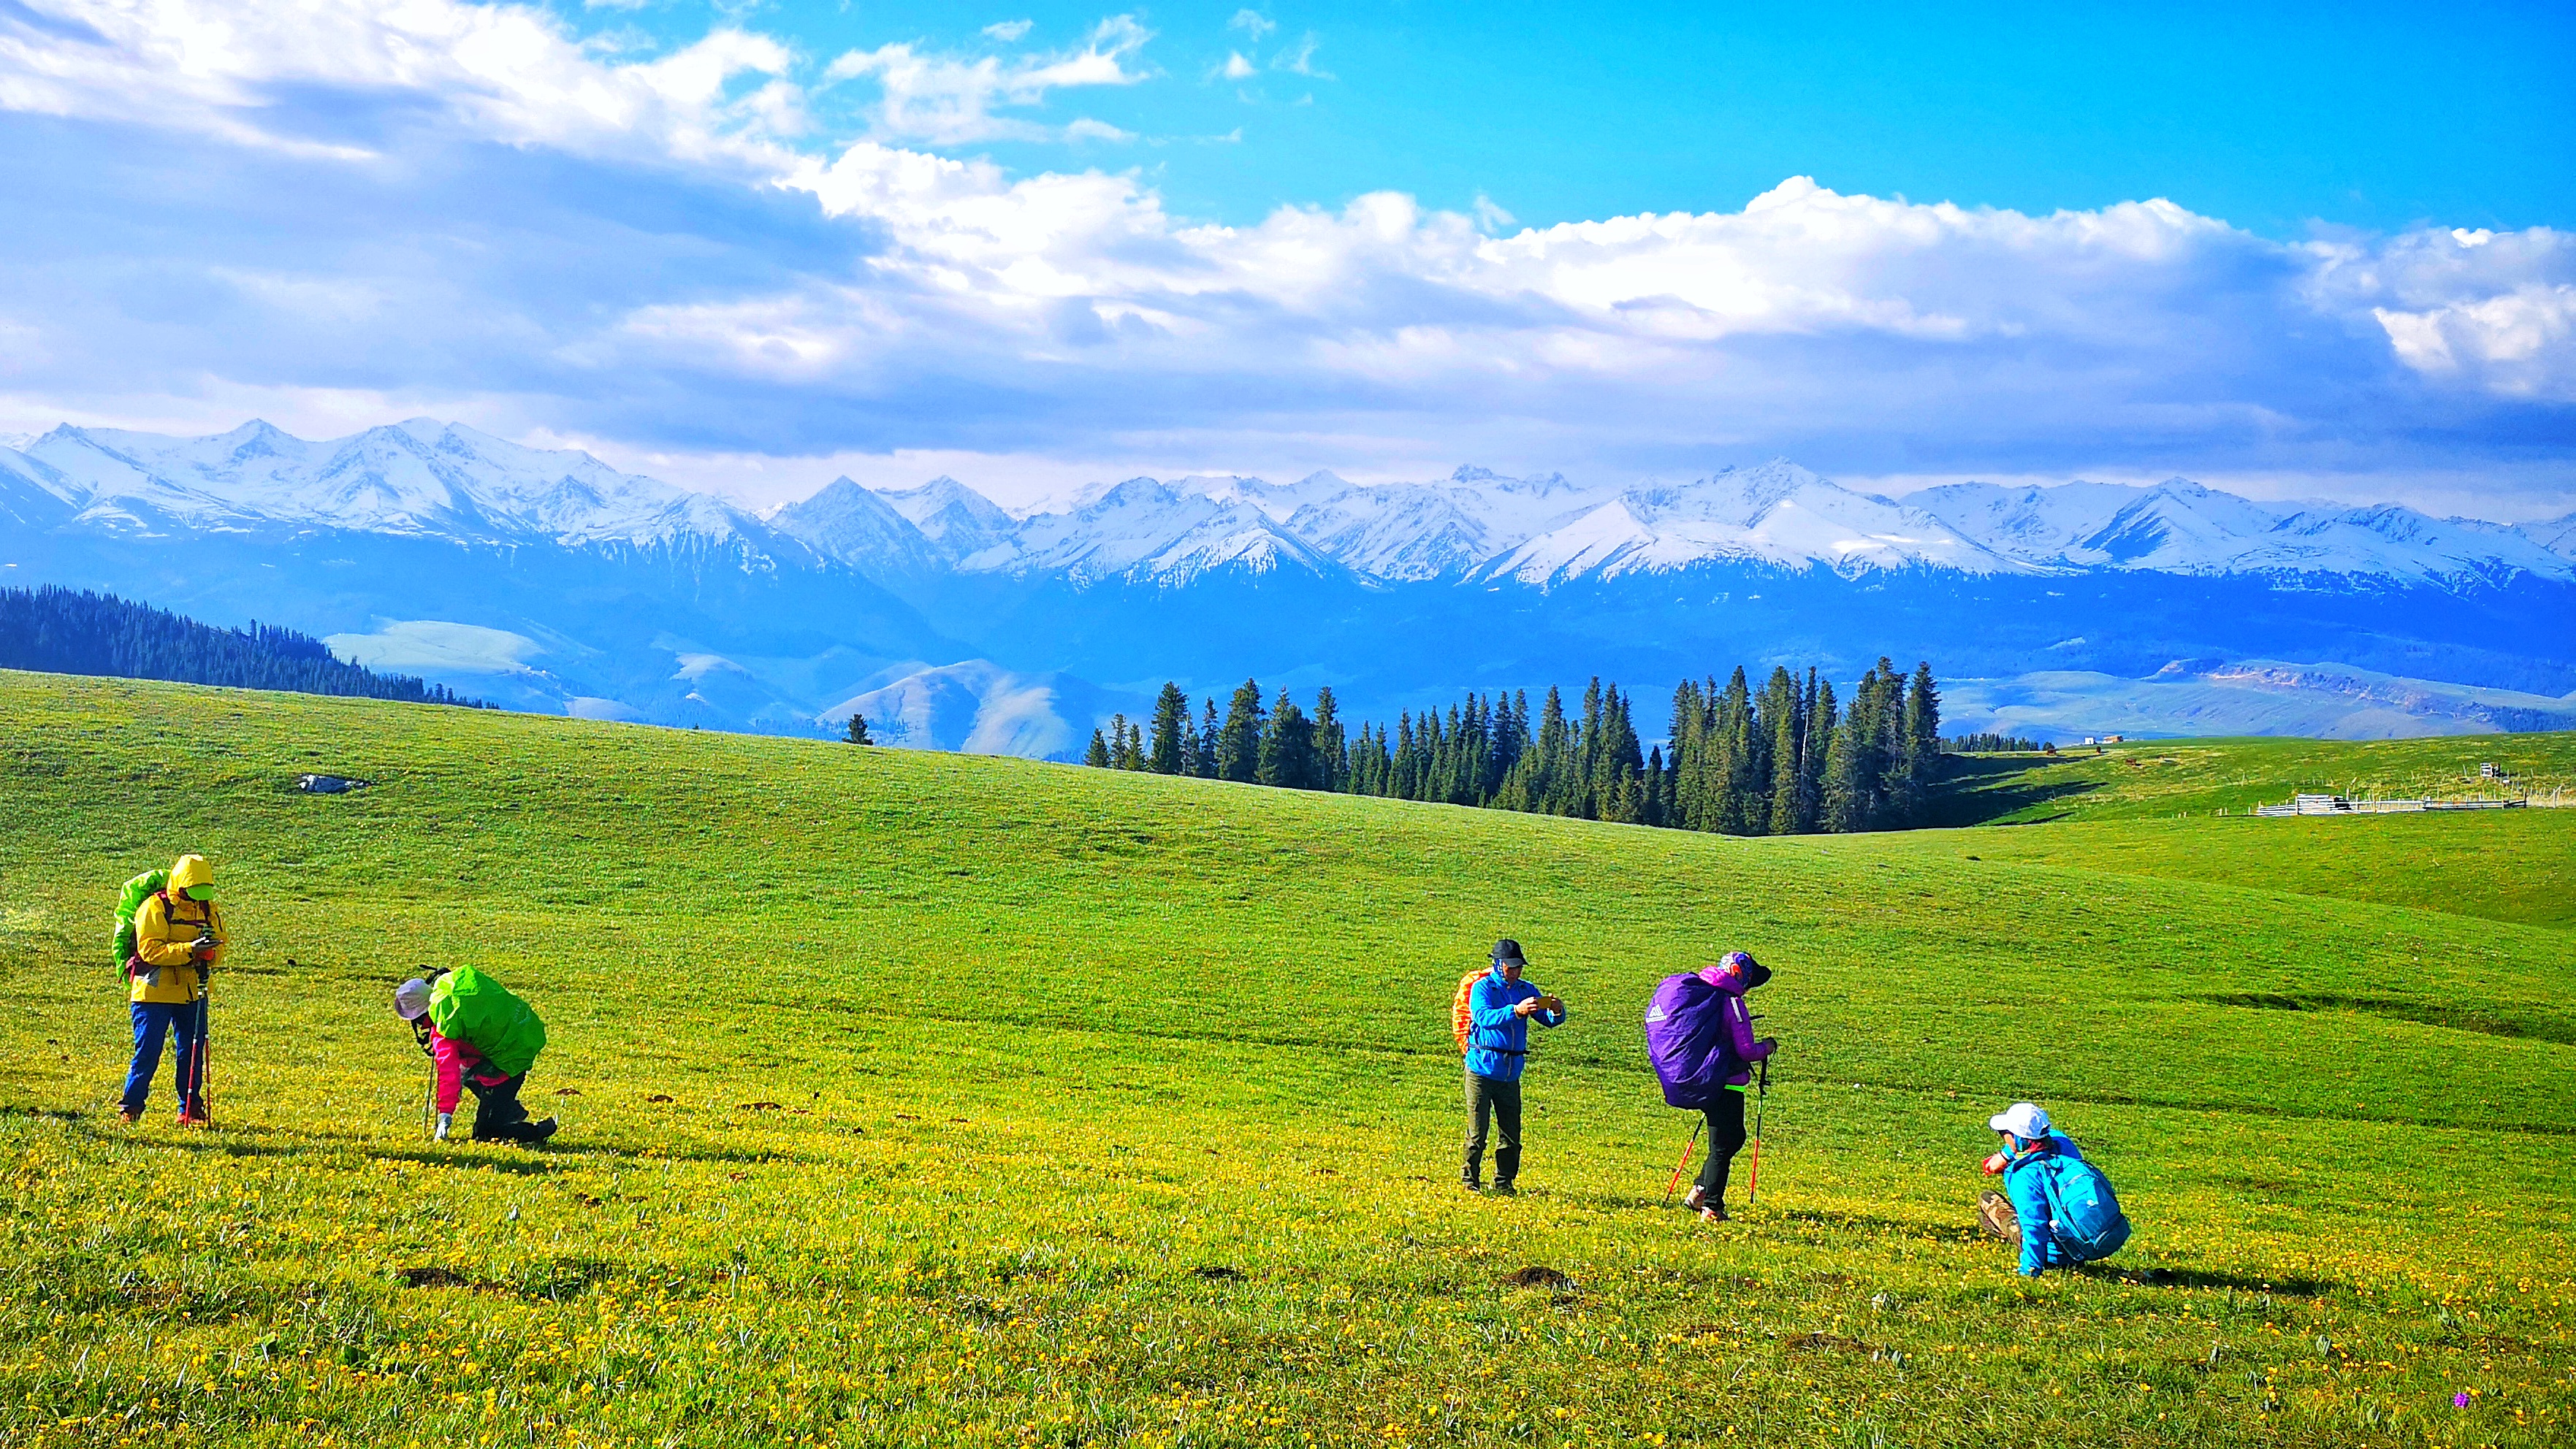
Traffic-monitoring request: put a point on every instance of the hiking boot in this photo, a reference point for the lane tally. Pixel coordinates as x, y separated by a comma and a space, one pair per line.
1501, 1189
1472, 1184
1713, 1213
128, 1116
1696, 1198
533, 1133
1996, 1218
194, 1117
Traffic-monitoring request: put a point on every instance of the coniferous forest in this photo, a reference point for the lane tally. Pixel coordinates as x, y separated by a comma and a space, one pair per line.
1787, 759
66, 632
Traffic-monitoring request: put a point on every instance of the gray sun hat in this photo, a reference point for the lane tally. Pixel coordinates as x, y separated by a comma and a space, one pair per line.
411, 999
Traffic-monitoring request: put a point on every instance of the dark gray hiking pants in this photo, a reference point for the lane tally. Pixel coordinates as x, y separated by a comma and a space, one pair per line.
1501, 1102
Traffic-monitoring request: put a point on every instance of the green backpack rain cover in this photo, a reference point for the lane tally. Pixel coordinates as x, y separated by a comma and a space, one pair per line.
470, 1007
129, 901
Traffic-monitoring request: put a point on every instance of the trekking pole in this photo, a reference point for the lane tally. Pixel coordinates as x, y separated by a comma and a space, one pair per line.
205, 1039
1761, 1099
1685, 1162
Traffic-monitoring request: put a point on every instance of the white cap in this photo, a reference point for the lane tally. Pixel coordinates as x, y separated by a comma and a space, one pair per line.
411, 999
2023, 1120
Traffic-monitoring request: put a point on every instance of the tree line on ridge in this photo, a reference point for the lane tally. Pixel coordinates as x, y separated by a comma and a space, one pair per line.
1788, 759
63, 631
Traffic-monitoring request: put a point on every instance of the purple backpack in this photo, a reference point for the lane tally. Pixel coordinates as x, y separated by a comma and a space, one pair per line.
1686, 1037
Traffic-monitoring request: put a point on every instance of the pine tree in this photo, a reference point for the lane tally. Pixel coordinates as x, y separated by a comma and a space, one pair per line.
1121, 755
1097, 757
1780, 707
1206, 760
858, 731
1850, 766
1822, 725
1238, 746
1171, 724
1287, 747
1332, 758
1919, 747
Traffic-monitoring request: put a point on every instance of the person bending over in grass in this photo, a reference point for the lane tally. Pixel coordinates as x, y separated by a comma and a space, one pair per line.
1500, 1007
1700, 1037
2056, 1207
483, 1037
178, 939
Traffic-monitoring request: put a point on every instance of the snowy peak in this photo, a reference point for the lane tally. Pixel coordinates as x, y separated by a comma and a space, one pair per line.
1145, 530
1778, 515
2557, 535
419, 477
860, 528
958, 522
2175, 525
2179, 526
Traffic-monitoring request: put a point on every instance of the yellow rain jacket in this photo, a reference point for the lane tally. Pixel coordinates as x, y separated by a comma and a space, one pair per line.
166, 928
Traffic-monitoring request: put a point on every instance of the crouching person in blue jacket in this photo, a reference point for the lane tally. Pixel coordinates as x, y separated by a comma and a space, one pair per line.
1500, 1008
2055, 1206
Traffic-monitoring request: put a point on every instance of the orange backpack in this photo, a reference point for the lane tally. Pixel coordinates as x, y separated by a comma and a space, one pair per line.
1462, 1008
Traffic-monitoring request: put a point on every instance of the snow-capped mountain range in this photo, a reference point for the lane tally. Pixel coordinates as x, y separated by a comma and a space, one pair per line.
1478, 527
548, 579
423, 478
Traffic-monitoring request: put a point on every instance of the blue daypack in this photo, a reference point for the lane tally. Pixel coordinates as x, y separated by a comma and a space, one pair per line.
2086, 1218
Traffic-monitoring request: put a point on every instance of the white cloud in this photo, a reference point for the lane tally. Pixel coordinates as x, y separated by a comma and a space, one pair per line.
1009, 32
950, 100
1252, 23
1237, 68
1300, 59
807, 298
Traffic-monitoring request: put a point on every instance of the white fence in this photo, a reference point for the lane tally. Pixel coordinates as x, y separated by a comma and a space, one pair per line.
2342, 805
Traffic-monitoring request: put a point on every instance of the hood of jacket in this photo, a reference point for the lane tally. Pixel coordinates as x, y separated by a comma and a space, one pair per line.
1736, 982
189, 872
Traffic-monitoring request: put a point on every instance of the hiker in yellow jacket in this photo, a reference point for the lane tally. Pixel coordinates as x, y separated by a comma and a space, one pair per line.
178, 935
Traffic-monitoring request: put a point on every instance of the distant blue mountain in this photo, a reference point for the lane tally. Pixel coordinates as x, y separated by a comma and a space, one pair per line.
547, 580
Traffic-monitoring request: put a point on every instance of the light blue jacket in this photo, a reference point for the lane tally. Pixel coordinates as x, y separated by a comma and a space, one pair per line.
2023, 1184
1497, 1036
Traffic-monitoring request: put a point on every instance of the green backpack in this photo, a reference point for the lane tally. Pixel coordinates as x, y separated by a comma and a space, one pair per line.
470, 1007
129, 901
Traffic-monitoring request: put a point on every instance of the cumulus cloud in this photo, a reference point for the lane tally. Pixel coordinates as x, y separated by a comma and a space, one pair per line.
1299, 59
951, 100
485, 219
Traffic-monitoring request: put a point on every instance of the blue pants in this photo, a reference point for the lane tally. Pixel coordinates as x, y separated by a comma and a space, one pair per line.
152, 1021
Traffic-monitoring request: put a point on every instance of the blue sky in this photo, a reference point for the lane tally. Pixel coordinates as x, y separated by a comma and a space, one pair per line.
2321, 253
2272, 117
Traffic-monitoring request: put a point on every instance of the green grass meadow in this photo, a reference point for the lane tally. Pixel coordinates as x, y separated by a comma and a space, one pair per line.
925, 1099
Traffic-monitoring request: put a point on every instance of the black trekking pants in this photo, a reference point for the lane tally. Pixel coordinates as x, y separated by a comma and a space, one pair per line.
1725, 1139
1501, 1101
498, 1117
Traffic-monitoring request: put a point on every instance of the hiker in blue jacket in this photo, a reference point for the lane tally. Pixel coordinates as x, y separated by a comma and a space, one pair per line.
2023, 1217
1500, 1009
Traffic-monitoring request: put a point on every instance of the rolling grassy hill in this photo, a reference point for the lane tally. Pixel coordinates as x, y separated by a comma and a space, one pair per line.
2154, 779
920, 1098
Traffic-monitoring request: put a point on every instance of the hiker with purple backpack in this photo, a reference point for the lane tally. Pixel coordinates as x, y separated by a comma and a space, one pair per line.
1700, 1037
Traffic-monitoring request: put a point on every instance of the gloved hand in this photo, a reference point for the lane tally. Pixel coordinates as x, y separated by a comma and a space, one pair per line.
445, 1121
203, 948
1765, 1047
